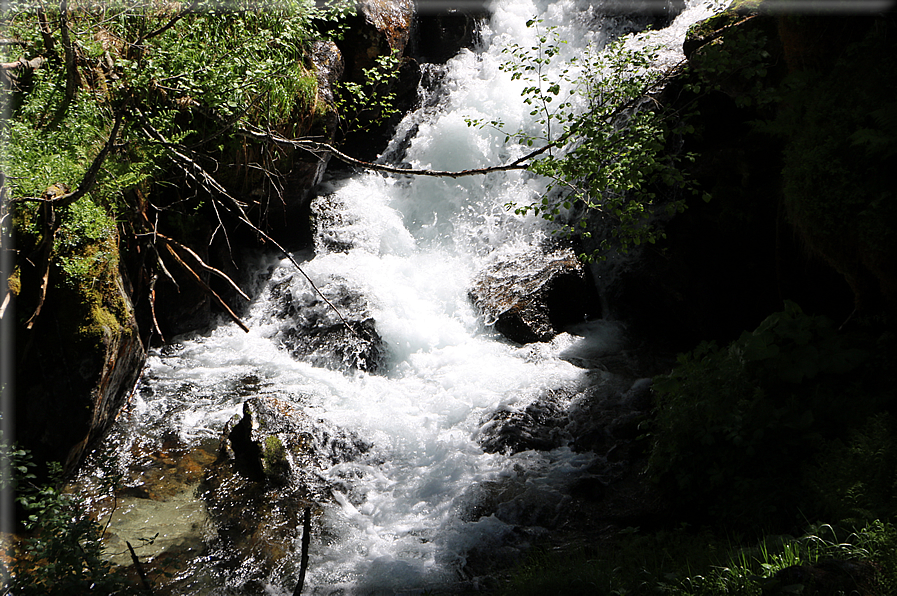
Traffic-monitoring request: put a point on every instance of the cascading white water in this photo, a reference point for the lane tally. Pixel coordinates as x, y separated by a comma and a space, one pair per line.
415, 244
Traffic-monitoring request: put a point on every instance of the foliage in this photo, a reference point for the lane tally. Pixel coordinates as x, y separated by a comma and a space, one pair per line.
683, 562
841, 130
370, 103
63, 553
190, 84
732, 421
856, 479
196, 74
603, 143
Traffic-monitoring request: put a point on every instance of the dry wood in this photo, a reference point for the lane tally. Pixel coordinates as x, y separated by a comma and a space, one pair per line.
198, 174
152, 297
143, 581
44, 249
303, 562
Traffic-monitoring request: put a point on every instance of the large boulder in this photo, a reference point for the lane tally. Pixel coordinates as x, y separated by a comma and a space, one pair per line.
314, 332
78, 362
530, 296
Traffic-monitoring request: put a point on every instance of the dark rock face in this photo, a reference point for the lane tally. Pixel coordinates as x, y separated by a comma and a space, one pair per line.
318, 336
730, 262
529, 297
75, 370
267, 473
381, 28
439, 32
602, 417
625, 16
826, 578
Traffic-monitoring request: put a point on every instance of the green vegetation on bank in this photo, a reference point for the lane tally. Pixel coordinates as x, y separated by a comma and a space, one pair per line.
686, 562
116, 108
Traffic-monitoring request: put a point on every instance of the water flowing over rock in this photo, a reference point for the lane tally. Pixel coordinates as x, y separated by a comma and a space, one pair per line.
316, 334
531, 296
441, 32
269, 469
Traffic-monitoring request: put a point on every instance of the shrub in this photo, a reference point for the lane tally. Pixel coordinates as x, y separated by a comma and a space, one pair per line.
734, 424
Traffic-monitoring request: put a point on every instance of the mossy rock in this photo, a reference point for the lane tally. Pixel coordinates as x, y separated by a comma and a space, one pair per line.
78, 362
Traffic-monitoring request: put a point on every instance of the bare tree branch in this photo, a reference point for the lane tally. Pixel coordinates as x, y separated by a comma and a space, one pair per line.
195, 171
202, 263
208, 289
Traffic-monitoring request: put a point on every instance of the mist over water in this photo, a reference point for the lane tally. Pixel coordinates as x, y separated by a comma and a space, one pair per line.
402, 518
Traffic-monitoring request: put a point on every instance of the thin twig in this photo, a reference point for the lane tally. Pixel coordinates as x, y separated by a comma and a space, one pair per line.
208, 289
203, 264
139, 566
198, 173
167, 25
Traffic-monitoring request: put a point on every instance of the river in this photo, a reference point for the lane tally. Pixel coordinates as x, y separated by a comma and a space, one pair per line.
402, 517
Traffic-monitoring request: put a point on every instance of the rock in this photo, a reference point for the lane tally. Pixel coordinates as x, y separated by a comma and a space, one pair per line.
380, 28
624, 16
539, 426
317, 335
77, 366
529, 297
269, 469
440, 32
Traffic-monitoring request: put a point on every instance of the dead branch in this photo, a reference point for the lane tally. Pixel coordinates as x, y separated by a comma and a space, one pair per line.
152, 297
143, 581
22, 63
306, 541
202, 263
208, 289
45, 32
197, 173
90, 175
44, 249
72, 79
317, 148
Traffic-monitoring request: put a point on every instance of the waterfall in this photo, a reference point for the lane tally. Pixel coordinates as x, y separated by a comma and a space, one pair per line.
424, 506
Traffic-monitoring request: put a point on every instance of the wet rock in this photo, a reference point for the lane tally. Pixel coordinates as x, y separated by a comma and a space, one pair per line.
77, 365
316, 333
538, 426
625, 16
529, 297
381, 28
269, 469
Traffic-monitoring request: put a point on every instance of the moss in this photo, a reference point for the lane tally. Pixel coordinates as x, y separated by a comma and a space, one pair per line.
734, 13
274, 458
14, 281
